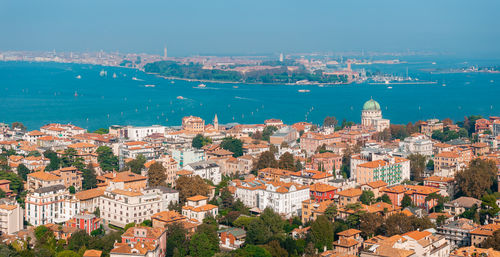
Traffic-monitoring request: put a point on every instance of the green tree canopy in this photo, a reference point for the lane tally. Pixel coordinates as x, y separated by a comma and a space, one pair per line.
107, 160
477, 178
199, 141
232, 144
157, 175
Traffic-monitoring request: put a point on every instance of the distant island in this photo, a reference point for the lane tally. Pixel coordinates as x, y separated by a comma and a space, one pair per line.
271, 72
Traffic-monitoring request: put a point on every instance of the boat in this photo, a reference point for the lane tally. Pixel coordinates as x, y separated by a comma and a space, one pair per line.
134, 78
304, 90
172, 82
202, 86
114, 75
389, 87
321, 85
434, 63
76, 93
150, 85
103, 73
491, 81
235, 86
444, 85
78, 77
181, 98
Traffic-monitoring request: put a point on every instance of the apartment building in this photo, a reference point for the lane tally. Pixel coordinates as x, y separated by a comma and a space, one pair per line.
122, 206
51, 204
11, 217
206, 170
197, 208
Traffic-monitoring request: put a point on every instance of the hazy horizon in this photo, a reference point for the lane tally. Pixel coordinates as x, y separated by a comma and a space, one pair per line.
225, 27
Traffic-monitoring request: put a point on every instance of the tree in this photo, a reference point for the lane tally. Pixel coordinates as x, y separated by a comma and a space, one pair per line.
367, 197
191, 186
399, 223
330, 121
199, 141
78, 240
55, 162
89, 177
331, 212
34, 153
72, 190
137, 164
267, 227
233, 145
176, 239
107, 160
156, 175
251, 251
244, 222
200, 246
23, 171
18, 125
286, 161
266, 160
227, 198
275, 249
298, 165
477, 178
321, 233
440, 220
430, 165
417, 166
102, 131
369, 224
267, 132
384, 198
447, 122
406, 201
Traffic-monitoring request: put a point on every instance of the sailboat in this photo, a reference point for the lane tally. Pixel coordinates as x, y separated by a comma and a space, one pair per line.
114, 75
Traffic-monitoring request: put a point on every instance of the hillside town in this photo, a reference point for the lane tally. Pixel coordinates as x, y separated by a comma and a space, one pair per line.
338, 189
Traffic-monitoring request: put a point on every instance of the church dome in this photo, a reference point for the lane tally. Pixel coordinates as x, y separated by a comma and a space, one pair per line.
371, 105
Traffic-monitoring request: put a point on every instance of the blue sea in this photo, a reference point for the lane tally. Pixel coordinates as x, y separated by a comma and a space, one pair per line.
39, 93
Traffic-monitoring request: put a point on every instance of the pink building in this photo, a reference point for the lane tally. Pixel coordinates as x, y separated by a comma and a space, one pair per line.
85, 221
328, 162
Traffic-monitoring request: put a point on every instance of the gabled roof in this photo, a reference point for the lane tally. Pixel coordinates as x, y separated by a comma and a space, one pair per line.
45, 176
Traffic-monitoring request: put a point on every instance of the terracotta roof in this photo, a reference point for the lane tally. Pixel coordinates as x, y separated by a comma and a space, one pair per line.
153, 233
474, 251
142, 248
168, 216
439, 179
184, 172
127, 193
435, 215
44, 176
417, 235
447, 155
35, 133
197, 198
486, 230
89, 194
373, 164
349, 232
202, 208
81, 145
92, 253
125, 176
376, 184
8, 207
345, 242
351, 192
320, 187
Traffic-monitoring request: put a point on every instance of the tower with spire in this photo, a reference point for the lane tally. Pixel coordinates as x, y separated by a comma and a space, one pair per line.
165, 52
216, 123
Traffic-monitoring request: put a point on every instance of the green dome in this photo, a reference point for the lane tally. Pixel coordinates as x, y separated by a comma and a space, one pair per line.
371, 105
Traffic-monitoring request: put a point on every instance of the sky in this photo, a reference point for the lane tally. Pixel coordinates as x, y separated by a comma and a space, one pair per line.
240, 27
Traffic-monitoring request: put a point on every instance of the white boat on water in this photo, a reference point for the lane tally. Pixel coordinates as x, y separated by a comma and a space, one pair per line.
304, 90
103, 73
114, 75
235, 86
150, 85
181, 98
389, 87
202, 86
134, 78
78, 77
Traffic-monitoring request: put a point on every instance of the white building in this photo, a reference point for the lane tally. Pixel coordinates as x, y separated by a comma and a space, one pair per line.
416, 145
139, 133
11, 218
283, 198
371, 116
120, 207
206, 170
52, 204
197, 208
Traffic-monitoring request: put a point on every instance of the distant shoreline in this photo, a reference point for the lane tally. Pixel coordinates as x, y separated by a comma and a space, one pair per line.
241, 82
